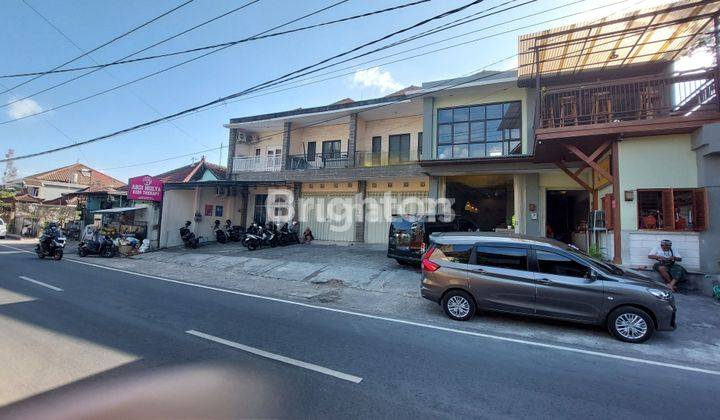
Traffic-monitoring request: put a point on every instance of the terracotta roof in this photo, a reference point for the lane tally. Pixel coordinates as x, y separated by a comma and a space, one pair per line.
343, 101
192, 172
62, 201
67, 174
98, 189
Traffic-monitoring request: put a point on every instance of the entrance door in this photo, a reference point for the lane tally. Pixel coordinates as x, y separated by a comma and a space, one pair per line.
499, 279
565, 288
274, 155
566, 214
376, 149
260, 213
311, 150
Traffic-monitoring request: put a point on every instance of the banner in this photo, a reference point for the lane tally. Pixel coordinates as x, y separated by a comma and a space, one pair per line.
145, 188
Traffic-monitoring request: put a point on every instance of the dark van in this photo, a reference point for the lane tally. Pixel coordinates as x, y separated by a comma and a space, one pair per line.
409, 235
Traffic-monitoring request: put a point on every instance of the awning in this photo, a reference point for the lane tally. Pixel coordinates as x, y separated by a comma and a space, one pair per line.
647, 36
121, 209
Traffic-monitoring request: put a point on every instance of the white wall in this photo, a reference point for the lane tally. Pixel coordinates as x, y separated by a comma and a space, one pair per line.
178, 206
687, 244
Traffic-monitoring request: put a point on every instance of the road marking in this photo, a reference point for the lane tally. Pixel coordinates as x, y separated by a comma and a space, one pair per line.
17, 249
418, 324
279, 358
49, 286
9, 252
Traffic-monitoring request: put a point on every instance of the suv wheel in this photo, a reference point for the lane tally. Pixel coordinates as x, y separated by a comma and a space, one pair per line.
458, 305
630, 324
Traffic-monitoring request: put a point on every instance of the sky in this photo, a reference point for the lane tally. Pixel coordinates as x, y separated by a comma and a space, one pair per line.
29, 43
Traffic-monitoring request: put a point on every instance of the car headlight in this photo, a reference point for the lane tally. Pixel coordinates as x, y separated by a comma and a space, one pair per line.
660, 294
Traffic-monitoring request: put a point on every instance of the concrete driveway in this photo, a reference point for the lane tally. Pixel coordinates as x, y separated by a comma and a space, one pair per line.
361, 278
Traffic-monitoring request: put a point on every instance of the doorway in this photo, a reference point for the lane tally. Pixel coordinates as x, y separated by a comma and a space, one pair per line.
485, 200
567, 214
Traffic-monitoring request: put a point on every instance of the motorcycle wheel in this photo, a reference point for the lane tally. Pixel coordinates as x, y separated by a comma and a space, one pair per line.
251, 245
58, 255
82, 252
41, 255
108, 253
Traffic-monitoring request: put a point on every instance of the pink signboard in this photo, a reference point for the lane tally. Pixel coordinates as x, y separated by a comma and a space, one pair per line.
145, 188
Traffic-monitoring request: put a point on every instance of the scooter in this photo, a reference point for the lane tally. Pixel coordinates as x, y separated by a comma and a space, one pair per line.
102, 246
51, 244
257, 236
220, 234
188, 238
287, 235
233, 233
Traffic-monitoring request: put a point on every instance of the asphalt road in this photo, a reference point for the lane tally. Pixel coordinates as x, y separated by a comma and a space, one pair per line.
70, 329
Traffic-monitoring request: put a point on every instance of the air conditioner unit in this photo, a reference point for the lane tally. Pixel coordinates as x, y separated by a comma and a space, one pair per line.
243, 137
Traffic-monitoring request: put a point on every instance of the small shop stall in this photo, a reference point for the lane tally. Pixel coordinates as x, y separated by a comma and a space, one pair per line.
126, 224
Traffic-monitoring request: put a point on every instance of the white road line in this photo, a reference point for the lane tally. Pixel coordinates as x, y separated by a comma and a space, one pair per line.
17, 249
9, 252
49, 286
419, 324
279, 358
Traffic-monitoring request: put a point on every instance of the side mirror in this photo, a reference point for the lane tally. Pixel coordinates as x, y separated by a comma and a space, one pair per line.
592, 275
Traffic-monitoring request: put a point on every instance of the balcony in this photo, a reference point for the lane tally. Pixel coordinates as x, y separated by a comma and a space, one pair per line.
257, 163
637, 105
374, 159
319, 161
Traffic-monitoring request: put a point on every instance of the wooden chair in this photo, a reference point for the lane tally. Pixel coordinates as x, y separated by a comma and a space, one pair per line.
602, 107
650, 102
568, 111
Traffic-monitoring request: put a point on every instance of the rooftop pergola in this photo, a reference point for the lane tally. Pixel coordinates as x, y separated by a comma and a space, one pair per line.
643, 37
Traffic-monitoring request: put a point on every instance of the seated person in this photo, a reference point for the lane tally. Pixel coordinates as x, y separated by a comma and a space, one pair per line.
666, 264
308, 236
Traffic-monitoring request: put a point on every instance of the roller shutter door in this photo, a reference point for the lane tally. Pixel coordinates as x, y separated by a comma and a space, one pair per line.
325, 229
376, 229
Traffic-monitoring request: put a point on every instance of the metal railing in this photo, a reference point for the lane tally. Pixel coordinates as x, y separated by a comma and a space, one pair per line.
386, 158
257, 163
320, 161
679, 94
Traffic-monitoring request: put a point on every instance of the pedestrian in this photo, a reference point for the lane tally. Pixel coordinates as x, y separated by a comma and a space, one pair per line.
308, 236
670, 271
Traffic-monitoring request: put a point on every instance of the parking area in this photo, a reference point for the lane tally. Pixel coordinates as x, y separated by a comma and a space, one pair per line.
361, 278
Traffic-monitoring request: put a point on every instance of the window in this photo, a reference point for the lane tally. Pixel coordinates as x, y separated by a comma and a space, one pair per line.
501, 257
672, 209
419, 145
260, 213
331, 149
457, 253
376, 150
399, 148
479, 131
552, 263
311, 150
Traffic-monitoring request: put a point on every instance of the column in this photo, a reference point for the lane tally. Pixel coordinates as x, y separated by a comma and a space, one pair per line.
287, 128
360, 212
428, 128
232, 142
352, 140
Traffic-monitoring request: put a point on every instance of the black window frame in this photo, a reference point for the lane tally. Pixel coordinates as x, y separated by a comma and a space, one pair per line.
332, 153
536, 265
402, 153
462, 147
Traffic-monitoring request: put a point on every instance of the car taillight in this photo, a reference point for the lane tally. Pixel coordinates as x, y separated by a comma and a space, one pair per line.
428, 265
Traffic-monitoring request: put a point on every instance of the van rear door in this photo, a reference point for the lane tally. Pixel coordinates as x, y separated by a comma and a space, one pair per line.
406, 238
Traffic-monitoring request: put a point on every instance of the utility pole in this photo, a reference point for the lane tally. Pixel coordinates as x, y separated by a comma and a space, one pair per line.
10, 172
221, 147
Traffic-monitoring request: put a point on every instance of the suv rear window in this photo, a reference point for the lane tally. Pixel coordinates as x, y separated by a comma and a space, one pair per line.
502, 257
457, 253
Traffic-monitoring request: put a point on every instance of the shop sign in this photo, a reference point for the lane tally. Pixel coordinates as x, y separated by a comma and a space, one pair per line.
145, 188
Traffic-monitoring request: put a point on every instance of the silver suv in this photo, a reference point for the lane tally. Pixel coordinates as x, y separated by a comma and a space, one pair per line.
465, 272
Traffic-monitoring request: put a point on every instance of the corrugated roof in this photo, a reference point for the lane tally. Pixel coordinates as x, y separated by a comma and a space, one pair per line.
645, 36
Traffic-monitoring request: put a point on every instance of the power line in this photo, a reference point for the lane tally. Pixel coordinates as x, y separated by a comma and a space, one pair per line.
101, 45
165, 159
130, 55
224, 44
270, 82
223, 99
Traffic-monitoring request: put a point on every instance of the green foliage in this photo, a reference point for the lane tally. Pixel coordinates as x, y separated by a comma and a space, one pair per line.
594, 251
5, 193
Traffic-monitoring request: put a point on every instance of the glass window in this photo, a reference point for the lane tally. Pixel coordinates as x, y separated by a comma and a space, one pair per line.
460, 114
445, 115
457, 253
477, 150
477, 131
460, 133
445, 134
501, 257
496, 123
552, 263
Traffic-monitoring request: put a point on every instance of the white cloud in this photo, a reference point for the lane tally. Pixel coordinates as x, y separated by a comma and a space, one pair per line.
23, 108
375, 77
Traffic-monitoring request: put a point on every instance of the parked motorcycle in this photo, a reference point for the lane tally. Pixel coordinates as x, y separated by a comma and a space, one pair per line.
234, 233
288, 234
258, 236
220, 234
188, 238
101, 245
51, 243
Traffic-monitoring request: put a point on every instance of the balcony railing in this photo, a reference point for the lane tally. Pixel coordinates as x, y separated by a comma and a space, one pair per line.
320, 161
257, 163
386, 158
680, 94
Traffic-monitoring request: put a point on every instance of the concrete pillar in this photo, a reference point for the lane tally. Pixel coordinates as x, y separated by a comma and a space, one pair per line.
352, 139
297, 196
287, 129
428, 150
360, 211
532, 200
243, 193
197, 210
232, 142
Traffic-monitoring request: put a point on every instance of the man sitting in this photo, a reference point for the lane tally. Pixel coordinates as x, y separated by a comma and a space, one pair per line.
666, 265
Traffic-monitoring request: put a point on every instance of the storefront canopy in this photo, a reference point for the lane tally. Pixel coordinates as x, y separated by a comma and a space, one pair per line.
121, 209
647, 36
